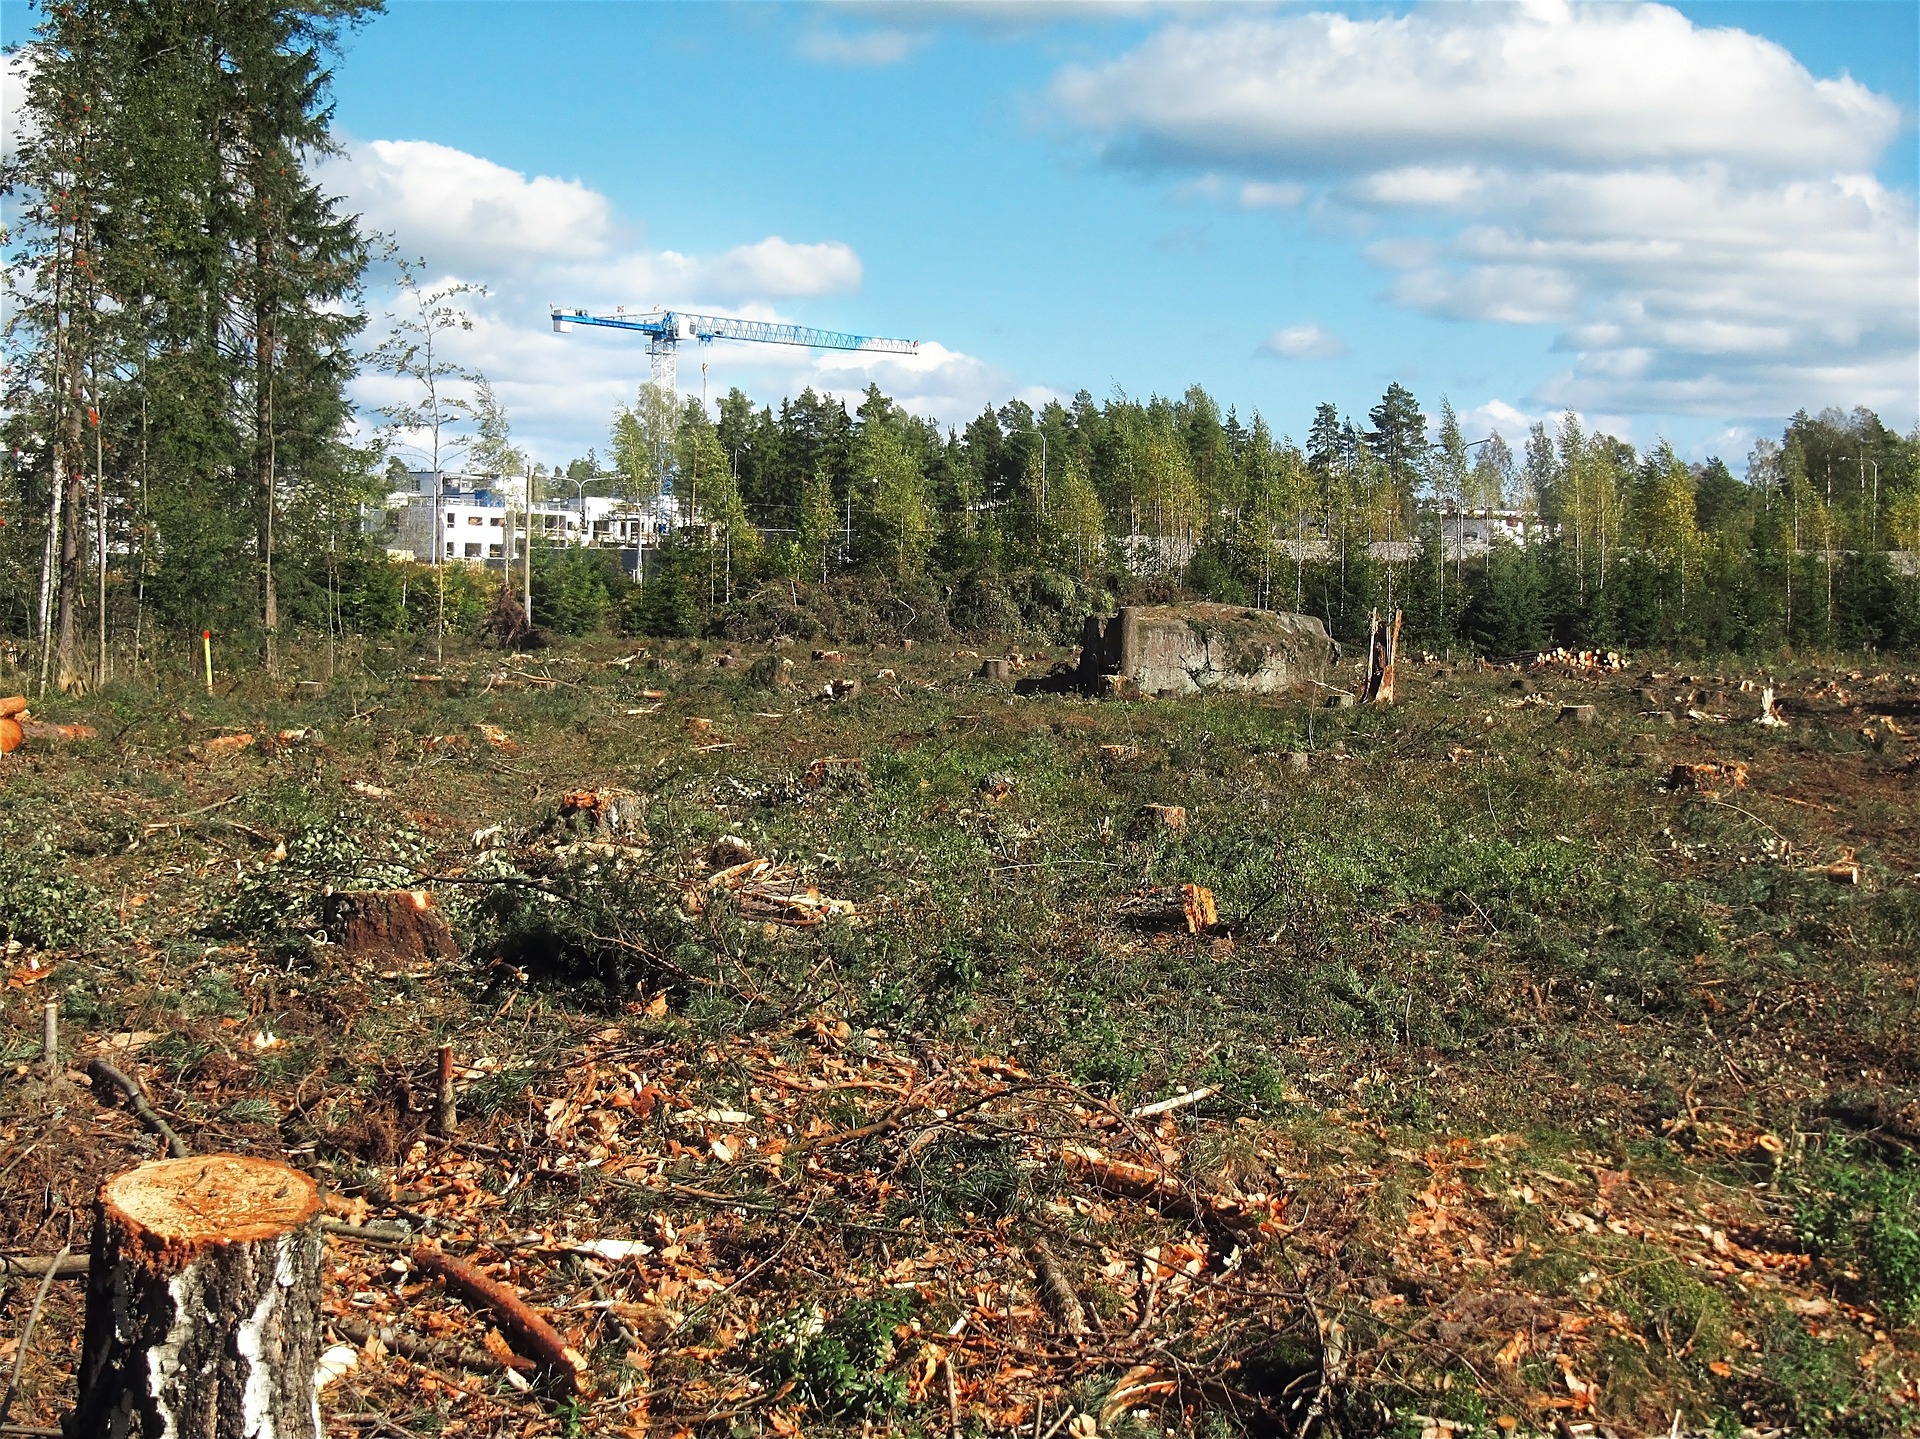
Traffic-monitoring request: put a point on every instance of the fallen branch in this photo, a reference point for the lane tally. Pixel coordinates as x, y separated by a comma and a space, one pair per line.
26, 1334
517, 1320
1057, 1291
105, 1073
386, 1237
1179, 1101
1147, 1182
410, 1346
35, 1266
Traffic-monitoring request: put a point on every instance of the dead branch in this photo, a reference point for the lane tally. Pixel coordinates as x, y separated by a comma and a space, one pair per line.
446, 1122
105, 1073
26, 1334
411, 1346
389, 1238
34, 1266
1179, 1101
532, 1333
1057, 1291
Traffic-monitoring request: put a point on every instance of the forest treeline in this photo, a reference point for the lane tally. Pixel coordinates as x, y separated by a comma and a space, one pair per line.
188, 311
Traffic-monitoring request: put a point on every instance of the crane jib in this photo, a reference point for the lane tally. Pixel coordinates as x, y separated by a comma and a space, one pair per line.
669, 327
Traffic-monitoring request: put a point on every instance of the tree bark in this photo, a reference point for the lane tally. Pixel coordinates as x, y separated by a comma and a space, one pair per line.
265, 481
203, 1303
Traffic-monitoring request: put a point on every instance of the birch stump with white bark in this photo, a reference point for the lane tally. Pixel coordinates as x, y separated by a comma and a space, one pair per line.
203, 1303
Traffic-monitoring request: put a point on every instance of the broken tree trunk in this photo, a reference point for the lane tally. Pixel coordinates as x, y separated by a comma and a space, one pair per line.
203, 1303
1383, 653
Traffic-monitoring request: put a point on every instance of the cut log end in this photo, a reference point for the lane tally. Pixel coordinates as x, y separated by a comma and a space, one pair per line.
176, 1207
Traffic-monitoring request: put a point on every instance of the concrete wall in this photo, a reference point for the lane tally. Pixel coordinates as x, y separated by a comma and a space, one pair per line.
1183, 649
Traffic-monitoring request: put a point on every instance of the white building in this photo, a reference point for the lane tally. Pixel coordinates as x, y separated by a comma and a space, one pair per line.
464, 518
1471, 533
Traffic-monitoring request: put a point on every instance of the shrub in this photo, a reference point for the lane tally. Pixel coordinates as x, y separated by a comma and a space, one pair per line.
43, 904
1859, 1210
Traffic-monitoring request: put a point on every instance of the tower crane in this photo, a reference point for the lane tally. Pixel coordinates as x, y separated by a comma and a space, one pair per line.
665, 329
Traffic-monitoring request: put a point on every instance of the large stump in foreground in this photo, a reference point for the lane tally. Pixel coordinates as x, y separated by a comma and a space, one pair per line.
203, 1303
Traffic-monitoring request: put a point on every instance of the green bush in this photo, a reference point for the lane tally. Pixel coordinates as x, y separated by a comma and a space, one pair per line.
574, 589
840, 1365
1867, 1213
43, 904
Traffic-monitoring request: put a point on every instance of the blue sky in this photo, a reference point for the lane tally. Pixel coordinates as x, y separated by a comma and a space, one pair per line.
1682, 222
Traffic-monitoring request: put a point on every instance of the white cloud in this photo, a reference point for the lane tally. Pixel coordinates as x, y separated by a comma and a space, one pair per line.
859, 47
1601, 84
15, 71
774, 266
536, 242
457, 208
1689, 208
1262, 194
1508, 421
1304, 342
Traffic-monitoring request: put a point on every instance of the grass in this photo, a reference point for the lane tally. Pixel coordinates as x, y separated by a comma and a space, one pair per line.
1461, 925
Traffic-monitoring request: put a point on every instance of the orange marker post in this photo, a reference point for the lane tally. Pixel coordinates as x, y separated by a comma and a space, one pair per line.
206, 646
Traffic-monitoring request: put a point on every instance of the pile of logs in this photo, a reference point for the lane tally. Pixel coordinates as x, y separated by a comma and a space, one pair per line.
17, 726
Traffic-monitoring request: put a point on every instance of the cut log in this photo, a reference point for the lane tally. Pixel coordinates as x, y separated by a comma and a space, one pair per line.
1578, 714
203, 1303
388, 924
996, 669
34, 729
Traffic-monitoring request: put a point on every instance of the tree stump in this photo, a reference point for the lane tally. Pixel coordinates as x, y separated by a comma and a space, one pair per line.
400, 924
203, 1303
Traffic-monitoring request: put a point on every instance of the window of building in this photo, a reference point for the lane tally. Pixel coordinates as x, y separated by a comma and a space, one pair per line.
494, 521
473, 519
473, 552
493, 552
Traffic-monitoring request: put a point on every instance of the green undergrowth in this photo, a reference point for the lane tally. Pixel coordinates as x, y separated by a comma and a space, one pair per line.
1459, 919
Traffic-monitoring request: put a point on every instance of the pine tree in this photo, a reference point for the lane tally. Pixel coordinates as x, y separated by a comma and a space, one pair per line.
1399, 440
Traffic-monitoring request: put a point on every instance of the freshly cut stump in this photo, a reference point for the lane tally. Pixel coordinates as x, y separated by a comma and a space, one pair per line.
400, 924
203, 1303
